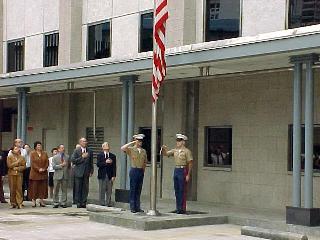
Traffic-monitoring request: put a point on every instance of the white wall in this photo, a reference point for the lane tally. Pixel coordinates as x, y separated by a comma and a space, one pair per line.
29, 19
34, 52
262, 19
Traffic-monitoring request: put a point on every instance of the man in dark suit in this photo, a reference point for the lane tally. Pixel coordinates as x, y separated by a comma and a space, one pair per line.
106, 162
82, 159
3, 172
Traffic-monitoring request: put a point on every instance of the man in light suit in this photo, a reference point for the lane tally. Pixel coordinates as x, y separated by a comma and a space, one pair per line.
82, 159
106, 162
61, 165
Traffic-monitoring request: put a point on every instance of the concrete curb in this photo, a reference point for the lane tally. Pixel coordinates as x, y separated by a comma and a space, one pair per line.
271, 234
96, 208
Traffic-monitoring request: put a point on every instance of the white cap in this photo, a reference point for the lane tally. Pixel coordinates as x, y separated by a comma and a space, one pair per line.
181, 136
138, 136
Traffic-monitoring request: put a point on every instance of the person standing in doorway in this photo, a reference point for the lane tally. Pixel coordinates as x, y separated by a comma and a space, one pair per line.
61, 165
82, 159
182, 172
138, 157
51, 171
106, 162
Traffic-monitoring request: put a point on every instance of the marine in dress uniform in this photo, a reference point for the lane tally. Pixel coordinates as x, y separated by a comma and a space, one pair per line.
181, 176
138, 157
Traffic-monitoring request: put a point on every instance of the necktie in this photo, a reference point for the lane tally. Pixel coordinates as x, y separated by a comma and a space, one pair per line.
62, 160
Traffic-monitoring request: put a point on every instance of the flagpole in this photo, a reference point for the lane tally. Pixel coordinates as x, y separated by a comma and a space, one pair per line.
153, 193
153, 183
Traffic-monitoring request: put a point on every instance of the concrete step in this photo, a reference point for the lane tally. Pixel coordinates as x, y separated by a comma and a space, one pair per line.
271, 234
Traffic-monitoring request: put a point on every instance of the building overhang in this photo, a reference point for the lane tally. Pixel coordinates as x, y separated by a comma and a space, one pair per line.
244, 54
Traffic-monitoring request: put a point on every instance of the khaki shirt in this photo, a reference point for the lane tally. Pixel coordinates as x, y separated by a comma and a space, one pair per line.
181, 156
138, 157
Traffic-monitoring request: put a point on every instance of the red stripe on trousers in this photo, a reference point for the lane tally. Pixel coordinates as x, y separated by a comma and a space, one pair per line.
184, 198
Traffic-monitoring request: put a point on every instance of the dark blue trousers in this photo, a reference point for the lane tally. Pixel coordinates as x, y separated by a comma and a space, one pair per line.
136, 180
179, 177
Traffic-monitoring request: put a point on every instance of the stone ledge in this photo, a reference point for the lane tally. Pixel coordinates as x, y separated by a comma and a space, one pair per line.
147, 223
97, 208
271, 234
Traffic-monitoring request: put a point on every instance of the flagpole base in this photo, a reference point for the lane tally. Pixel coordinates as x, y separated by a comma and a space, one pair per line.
153, 213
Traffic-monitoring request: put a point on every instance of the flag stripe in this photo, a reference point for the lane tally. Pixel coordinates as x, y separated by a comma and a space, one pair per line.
159, 62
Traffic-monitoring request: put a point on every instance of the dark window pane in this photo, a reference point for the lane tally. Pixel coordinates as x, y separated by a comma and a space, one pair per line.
303, 13
222, 19
316, 148
146, 32
15, 56
7, 120
99, 43
147, 142
51, 50
218, 147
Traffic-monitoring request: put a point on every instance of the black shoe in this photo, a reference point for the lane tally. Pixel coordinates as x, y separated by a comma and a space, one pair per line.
4, 201
78, 206
133, 211
139, 210
83, 206
174, 211
64, 206
181, 212
55, 206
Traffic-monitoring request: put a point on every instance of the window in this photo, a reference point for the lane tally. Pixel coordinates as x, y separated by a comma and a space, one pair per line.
95, 142
146, 32
218, 152
51, 50
15, 56
99, 43
316, 148
147, 142
7, 119
303, 13
222, 19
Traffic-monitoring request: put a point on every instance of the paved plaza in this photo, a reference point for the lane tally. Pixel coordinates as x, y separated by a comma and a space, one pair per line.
72, 223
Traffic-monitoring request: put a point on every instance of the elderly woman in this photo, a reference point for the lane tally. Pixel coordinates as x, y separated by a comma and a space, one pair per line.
38, 182
16, 165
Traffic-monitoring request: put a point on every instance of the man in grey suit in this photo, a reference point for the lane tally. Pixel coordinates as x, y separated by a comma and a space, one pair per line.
61, 165
82, 159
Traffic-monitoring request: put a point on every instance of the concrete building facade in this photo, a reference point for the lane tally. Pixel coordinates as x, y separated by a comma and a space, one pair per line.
244, 84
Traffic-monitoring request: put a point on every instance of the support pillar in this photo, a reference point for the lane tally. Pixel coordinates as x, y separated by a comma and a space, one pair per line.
127, 130
19, 106
309, 115
296, 184
124, 127
306, 216
22, 113
131, 104
192, 123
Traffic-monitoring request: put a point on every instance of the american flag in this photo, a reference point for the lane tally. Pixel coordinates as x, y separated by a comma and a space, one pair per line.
159, 62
